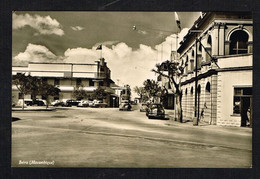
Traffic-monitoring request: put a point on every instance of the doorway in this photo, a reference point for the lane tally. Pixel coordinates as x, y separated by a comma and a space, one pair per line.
246, 111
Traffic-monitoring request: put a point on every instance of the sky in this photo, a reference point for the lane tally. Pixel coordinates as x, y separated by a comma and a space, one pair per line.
133, 42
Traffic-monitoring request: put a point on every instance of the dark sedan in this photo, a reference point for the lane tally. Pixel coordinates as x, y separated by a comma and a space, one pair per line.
155, 111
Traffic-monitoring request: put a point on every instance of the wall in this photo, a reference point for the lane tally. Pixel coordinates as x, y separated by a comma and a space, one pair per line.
226, 82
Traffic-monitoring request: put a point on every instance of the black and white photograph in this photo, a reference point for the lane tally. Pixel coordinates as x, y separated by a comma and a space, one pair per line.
132, 89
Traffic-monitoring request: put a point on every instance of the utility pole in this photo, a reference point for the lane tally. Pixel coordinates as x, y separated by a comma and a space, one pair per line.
196, 105
196, 111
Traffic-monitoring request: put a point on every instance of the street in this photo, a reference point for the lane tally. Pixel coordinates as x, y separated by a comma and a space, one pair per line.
107, 137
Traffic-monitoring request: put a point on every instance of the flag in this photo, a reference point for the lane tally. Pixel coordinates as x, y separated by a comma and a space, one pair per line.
99, 47
177, 20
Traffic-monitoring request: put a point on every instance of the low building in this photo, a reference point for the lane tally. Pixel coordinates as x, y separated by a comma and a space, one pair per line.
219, 46
69, 77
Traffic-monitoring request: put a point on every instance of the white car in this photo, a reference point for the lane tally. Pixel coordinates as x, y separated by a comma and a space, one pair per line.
83, 103
20, 103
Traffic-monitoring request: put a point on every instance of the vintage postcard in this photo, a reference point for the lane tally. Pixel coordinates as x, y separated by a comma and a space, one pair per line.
132, 89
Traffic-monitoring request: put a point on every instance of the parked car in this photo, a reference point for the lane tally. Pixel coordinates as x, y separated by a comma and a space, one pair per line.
70, 102
83, 103
143, 107
57, 103
40, 102
73, 102
100, 104
125, 106
20, 103
155, 111
28, 102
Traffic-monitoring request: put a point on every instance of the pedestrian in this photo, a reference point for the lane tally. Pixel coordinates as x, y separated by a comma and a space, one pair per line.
248, 117
202, 111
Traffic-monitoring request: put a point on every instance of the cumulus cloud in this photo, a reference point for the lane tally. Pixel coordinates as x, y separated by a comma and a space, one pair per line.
77, 28
129, 66
35, 53
43, 25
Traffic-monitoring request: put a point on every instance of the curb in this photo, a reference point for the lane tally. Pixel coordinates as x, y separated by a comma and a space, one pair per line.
52, 109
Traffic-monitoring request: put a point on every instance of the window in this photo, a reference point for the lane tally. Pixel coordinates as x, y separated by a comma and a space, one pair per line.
238, 42
208, 87
56, 82
239, 94
191, 65
91, 82
78, 82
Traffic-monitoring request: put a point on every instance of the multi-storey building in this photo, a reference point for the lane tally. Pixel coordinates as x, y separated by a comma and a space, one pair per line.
68, 77
220, 46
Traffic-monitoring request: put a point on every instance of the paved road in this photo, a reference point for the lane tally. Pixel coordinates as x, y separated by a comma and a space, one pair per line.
107, 137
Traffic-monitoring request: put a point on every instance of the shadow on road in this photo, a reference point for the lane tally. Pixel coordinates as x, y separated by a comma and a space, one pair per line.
166, 118
15, 119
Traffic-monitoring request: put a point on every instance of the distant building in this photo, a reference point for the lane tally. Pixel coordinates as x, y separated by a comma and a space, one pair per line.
164, 82
123, 93
224, 86
68, 77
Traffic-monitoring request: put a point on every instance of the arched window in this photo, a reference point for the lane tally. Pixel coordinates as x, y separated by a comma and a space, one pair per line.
186, 91
192, 53
209, 41
199, 89
238, 42
208, 48
191, 91
200, 48
208, 87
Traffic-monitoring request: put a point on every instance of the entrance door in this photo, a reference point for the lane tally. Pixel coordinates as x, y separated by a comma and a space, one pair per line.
246, 111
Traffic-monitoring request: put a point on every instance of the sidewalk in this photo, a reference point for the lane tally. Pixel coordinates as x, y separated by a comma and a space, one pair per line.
205, 126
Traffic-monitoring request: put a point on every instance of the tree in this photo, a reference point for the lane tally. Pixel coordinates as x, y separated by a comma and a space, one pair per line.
47, 90
23, 84
175, 73
140, 91
99, 93
152, 90
79, 93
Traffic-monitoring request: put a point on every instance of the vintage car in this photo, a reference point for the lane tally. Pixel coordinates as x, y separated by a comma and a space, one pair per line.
57, 103
125, 106
155, 111
83, 103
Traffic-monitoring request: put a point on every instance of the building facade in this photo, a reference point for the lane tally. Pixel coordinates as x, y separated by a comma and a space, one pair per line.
220, 46
69, 77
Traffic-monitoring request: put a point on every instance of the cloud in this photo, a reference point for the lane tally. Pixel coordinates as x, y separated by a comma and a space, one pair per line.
43, 25
81, 55
35, 53
77, 28
142, 32
128, 65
